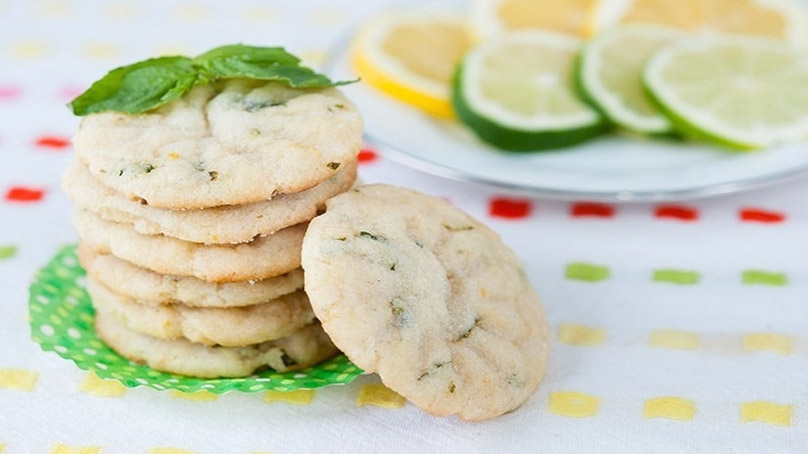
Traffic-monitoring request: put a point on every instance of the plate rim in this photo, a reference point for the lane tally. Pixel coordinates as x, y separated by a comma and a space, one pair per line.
341, 46
628, 196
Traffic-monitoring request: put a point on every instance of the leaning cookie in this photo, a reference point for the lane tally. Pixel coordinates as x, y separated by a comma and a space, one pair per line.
265, 257
306, 347
229, 142
153, 288
429, 298
229, 327
219, 225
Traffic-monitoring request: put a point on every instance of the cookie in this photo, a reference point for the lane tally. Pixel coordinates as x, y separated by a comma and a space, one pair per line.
226, 224
153, 288
265, 257
306, 347
230, 142
230, 327
429, 298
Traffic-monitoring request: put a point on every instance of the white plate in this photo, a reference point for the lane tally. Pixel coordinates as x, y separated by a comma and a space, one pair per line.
610, 168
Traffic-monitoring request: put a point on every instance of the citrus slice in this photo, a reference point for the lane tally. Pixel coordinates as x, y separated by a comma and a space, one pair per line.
411, 57
781, 19
491, 17
610, 75
741, 92
515, 91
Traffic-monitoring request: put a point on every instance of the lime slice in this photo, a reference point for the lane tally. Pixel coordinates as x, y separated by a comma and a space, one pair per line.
610, 76
515, 91
740, 92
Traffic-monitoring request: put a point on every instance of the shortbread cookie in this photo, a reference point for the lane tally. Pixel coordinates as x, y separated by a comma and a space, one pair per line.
153, 288
265, 257
226, 224
416, 290
226, 143
230, 327
306, 347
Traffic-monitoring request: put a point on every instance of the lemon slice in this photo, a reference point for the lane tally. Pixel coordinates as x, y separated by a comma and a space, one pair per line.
610, 75
411, 57
741, 92
516, 92
781, 19
491, 17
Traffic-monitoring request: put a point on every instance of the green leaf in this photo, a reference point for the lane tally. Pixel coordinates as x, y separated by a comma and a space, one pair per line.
138, 87
266, 55
263, 63
149, 84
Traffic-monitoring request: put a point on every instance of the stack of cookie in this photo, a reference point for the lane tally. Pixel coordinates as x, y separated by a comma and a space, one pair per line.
191, 219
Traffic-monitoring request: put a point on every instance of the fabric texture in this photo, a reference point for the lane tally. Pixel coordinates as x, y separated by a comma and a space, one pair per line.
676, 327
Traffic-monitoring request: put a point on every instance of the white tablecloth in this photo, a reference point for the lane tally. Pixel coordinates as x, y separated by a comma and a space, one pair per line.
676, 328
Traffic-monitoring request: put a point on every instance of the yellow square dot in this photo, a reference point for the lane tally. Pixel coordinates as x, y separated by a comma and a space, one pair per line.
59, 448
18, 379
2, 447
169, 450
313, 58
573, 404
678, 340
97, 386
121, 11
767, 412
191, 12
300, 396
170, 49
328, 16
380, 396
29, 49
776, 343
53, 8
580, 335
669, 408
99, 50
198, 396
260, 14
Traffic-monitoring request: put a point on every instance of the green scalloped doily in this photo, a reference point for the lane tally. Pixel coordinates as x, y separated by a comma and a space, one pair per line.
62, 317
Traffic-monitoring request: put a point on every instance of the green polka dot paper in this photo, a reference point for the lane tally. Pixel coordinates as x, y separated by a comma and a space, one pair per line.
62, 319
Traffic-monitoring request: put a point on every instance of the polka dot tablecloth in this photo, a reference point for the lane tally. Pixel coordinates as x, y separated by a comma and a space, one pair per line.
676, 327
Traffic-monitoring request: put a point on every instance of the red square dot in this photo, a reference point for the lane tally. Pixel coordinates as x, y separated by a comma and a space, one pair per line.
367, 155
589, 209
24, 194
501, 207
764, 216
53, 142
9, 92
679, 212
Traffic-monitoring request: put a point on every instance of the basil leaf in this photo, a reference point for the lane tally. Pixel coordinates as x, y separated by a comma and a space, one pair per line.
267, 55
263, 63
149, 84
138, 87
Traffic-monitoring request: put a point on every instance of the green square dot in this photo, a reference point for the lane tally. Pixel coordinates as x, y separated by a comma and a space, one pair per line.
586, 272
679, 277
759, 277
7, 251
